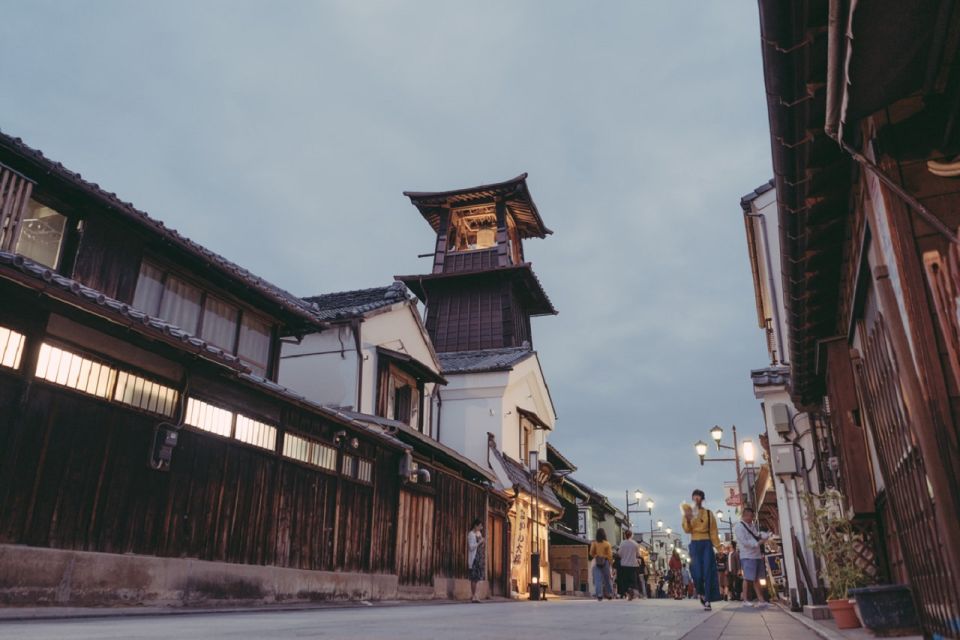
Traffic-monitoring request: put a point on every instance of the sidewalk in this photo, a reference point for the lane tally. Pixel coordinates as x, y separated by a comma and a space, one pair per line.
736, 621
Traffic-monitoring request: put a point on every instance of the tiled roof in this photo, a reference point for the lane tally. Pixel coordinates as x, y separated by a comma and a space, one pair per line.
756, 193
483, 360
27, 273
350, 304
407, 433
286, 300
771, 376
521, 478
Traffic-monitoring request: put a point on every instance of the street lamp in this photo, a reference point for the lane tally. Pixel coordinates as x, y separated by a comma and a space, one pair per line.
535, 588
717, 435
720, 516
749, 455
634, 507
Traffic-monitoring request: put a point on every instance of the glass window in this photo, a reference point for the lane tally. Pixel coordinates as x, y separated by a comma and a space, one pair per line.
74, 371
145, 394
11, 348
149, 289
41, 234
220, 323
309, 451
181, 304
254, 348
256, 433
208, 417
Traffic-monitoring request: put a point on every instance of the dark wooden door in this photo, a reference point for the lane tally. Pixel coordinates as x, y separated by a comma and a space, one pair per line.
415, 539
497, 555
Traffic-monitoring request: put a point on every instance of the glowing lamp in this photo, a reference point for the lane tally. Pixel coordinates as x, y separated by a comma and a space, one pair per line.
716, 433
649, 504
720, 514
749, 455
701, 448
638, 495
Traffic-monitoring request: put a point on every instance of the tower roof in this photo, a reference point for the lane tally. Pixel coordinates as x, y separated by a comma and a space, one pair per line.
514, 192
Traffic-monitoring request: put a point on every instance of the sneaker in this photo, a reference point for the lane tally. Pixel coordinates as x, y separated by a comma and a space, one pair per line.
707, 607
763, 605
749, 603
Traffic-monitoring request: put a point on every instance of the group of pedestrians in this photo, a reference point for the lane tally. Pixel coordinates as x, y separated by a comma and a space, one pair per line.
620, 572
716, 573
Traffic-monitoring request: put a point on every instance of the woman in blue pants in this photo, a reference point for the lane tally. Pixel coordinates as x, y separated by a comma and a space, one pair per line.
701, 524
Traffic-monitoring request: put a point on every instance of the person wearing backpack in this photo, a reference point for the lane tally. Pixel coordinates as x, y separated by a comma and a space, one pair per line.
602, 555
701, 524
751, 542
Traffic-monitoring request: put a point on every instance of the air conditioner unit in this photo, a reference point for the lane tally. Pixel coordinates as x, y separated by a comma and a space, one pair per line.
781, 419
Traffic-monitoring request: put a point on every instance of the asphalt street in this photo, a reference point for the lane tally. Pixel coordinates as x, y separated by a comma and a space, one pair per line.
557, 619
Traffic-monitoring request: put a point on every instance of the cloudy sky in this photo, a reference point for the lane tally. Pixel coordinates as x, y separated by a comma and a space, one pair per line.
282, 134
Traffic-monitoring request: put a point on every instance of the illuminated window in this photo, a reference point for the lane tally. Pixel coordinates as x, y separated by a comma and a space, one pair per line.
145, 394
74, 371
472, 228
208, 417
310, 451
256, 433
11, 348
41, 234
365, 471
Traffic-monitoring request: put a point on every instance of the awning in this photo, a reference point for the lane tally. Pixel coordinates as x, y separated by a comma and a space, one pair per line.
416, 368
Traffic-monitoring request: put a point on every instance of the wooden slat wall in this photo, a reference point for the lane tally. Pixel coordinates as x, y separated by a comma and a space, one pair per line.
415, 534
457, 504
74, 476
478, 317
15, 192
108, 259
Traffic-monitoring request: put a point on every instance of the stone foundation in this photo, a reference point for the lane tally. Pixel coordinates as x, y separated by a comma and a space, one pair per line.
31, 576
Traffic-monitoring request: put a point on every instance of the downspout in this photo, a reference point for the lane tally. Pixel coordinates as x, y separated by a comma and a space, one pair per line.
772, 282
436, 392
355, 327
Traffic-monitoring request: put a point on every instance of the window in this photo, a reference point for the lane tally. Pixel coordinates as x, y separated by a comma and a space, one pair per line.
254, 347
257, 433
348, 466
222, 324
365, 471
145, 394
310, 452
41, 234
399, 396
180, 304
472, 228
208, 417
74, 371
11, 348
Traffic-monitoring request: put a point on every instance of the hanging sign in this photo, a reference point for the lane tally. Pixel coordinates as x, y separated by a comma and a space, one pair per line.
731, 494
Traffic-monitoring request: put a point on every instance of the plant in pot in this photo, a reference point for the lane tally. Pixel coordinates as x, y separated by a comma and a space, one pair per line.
834, 540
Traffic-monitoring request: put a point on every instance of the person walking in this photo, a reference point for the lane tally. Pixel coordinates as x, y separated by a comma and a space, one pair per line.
676, 576
688, 582
701, 524
476, 557
750, 543
629, 554
602, 554
722, 573
735, 582
642, 575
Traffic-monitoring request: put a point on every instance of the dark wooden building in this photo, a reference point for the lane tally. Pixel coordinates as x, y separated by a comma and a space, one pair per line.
140, 418
864, 134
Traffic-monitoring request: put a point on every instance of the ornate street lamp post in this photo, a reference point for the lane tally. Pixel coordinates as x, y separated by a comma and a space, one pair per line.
634, 507
716, 434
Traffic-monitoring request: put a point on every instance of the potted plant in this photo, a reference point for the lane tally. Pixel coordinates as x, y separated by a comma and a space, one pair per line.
834, 540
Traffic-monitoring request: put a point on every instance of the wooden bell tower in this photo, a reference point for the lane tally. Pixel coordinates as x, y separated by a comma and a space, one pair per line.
480, 293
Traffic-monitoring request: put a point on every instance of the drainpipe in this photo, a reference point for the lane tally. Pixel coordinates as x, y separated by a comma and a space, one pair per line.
436, 392
773, 289
355, 327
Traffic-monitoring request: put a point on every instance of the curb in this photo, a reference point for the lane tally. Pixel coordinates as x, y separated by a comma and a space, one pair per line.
820, 630
29, 614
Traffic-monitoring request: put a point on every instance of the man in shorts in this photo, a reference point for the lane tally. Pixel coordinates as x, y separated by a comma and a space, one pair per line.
750, 546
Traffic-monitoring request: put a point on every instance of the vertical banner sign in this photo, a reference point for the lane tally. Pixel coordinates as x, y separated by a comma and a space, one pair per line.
521, 539
731, 494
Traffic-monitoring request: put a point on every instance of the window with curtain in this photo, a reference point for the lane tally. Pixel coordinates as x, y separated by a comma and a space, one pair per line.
149, 289
254, 347
162, 294
41, 234
220, 323
181, 304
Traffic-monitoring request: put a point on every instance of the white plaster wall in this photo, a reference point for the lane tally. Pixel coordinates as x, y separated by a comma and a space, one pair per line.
322, 368
768, 236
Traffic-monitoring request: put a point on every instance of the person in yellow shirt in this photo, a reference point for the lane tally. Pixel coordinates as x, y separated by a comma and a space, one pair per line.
602, 554
701, 524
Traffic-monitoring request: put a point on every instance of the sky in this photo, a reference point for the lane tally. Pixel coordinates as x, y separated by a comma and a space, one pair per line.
282, 134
